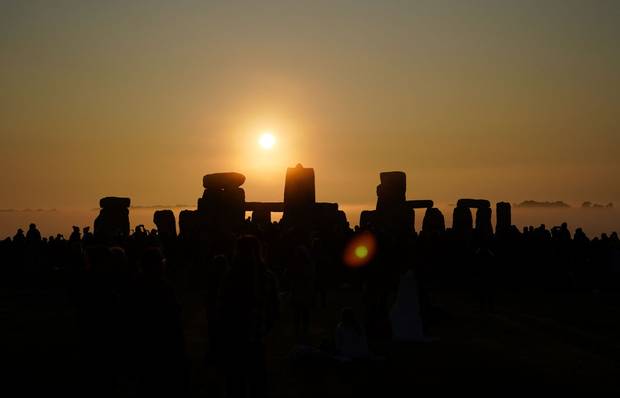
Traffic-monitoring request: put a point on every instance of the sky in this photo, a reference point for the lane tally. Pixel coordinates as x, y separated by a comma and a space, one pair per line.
505, 100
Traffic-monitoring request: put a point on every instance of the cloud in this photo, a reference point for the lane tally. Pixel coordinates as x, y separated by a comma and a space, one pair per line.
534, 203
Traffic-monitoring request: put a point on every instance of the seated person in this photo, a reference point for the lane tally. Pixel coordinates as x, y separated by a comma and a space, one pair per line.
350, 337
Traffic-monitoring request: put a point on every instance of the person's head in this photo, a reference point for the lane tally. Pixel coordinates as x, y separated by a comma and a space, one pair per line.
20, 231
153, 263
76, 229
32, 226
86, 230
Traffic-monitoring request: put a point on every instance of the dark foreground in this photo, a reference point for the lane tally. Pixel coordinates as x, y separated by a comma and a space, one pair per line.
560, 341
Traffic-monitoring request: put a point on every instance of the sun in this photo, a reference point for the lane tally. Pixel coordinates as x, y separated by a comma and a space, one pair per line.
267, 140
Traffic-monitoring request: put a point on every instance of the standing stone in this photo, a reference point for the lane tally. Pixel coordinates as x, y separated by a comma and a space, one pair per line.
327, 217
395, 181
189, 224
166, 223
434, 222
261, 217
462, 220
299, 196
504, 217
112, 223
299, 188
393, 214
367, 218
392, 190
221, 210
484, 227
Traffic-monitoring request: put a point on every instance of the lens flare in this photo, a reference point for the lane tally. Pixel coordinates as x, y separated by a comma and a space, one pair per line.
360, 250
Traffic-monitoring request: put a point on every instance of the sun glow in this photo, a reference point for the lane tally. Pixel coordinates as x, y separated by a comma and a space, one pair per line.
267, 140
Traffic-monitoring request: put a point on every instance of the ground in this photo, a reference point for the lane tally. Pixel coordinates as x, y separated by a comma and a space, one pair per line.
565, 341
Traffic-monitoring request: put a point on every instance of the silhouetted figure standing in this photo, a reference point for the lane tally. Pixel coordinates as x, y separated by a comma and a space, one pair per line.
87, 236
161, 347
99, 310
216, 270
301, 274
405, 313
247, 308
75, 235
33, 235
350, 336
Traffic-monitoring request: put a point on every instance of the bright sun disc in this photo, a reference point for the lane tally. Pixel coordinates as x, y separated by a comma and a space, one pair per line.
267, 140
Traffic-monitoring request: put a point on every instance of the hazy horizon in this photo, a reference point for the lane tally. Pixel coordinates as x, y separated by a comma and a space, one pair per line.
594, 221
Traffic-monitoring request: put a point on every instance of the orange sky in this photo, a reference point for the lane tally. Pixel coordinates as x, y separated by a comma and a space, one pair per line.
496, 99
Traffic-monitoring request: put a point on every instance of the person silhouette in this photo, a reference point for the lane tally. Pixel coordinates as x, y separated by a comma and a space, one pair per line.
247, 309
216, 269
19, 238
33, 235
405, 313
87, 236
160, 344
350, 339
75, 235
301, 273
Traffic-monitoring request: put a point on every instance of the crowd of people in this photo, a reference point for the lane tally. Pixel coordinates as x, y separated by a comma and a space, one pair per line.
130, 321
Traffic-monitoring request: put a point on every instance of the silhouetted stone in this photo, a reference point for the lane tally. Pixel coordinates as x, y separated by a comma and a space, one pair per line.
261, 211
473, 203
112, 223
222, 209
261, 217
395, 219
419, 204
433, 222
394, 181
299, 197
112, 201
484, 227
462, 220
367, 218
277, 207
504, 217
326, 208
391, 193
393, 213
189, 224
223, 180
166, 223
326, 216
389, 197
299, 187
